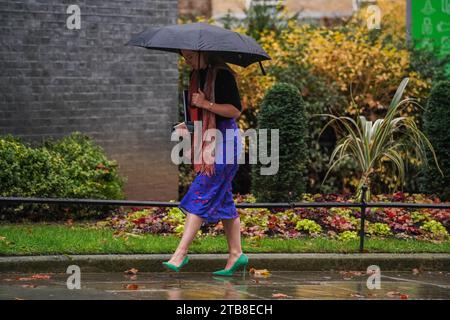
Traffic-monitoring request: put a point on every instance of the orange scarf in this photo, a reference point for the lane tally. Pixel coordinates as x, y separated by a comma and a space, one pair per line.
204, 155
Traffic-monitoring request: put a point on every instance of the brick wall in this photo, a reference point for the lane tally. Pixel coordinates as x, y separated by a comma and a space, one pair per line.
54, 81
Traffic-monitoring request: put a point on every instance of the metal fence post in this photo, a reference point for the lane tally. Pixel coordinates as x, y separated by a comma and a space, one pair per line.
362, 232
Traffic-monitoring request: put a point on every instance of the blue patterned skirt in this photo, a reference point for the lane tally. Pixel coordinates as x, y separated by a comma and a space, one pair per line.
211, 198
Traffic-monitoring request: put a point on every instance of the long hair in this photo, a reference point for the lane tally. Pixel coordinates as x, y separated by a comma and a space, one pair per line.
214, 60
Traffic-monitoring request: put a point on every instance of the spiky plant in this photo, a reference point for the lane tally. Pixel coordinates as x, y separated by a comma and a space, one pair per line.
371, 143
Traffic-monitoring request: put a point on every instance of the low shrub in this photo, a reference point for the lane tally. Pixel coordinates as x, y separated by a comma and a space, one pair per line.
341, 222
73, 167
308, 226
436, 229
347, 235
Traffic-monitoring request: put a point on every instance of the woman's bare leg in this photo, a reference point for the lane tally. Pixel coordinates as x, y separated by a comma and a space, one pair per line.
232, 229
191, 227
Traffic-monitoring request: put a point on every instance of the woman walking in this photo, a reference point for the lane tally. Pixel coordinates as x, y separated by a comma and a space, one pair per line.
210, 197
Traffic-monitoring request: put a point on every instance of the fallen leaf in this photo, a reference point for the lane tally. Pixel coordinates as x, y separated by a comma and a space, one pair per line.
259, 272
41, 276
131, 287
279, 295
371, 272
34, 277
132, 271
396, 294
351, 273
355, 295
348, 275
23, 279
393, 294
416, 271
29, 285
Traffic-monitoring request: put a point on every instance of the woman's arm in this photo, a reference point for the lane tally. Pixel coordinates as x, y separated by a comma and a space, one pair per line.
222, 109
228, 102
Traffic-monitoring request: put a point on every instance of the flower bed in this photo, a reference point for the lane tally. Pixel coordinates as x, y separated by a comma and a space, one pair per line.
341, 223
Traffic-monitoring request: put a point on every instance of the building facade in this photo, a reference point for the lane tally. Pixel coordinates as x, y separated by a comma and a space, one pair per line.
64, 68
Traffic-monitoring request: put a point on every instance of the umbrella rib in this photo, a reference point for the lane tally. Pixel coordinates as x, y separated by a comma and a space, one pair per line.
154, 34
158, 30
248, 48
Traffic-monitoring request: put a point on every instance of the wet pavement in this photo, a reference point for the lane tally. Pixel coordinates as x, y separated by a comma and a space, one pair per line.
204, 286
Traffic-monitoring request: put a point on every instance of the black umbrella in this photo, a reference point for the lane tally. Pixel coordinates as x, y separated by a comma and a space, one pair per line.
233, 47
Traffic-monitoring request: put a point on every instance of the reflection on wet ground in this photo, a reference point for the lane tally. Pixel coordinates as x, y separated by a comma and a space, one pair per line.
185, 285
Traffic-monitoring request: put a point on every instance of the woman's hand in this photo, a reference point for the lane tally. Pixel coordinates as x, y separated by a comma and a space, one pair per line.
198, 99
225, 110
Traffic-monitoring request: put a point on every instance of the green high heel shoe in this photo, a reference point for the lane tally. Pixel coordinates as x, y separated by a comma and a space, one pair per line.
242, 261
174, 267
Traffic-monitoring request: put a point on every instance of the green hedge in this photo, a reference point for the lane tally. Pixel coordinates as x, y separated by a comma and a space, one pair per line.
283, 108
436, 122
72, 167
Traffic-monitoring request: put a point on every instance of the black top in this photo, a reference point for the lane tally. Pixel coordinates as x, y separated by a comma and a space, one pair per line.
226, 90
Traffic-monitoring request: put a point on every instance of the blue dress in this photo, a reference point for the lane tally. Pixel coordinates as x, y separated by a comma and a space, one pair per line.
211, 198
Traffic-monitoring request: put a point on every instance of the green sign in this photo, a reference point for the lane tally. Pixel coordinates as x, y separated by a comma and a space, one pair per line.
430, 25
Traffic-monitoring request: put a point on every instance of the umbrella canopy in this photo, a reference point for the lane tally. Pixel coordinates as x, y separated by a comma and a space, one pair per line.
231, 46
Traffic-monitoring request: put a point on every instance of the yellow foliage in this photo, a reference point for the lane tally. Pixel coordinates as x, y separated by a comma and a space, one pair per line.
348, 58
366, 65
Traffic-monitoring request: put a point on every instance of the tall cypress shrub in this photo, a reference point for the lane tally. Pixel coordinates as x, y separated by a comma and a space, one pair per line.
283, 108
436, 126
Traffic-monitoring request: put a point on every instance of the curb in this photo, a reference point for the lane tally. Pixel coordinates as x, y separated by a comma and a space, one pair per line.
211, 262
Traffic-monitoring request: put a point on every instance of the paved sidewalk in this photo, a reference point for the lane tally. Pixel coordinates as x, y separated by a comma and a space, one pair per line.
203, 286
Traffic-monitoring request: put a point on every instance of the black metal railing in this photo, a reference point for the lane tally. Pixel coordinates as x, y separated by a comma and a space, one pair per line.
363, 205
